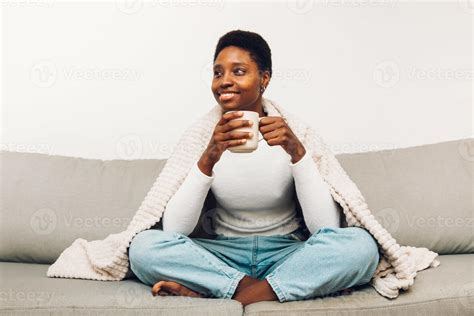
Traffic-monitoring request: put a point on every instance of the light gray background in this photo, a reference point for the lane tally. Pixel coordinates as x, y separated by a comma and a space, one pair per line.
123, 79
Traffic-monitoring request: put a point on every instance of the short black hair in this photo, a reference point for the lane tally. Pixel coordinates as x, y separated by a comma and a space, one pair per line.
252, 42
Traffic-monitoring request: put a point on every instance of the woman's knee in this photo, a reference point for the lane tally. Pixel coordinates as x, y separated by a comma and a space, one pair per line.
367, 255
144, 241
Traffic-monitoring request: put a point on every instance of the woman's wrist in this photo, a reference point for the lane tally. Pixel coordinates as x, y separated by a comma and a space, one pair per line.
206, 165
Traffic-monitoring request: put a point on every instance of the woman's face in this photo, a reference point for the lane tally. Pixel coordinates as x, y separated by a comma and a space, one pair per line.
236, 80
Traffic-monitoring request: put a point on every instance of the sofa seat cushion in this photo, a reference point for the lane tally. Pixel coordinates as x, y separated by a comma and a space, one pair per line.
26, 290
445, 290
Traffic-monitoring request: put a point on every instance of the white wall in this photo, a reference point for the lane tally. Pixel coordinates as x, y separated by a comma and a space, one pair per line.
122, 80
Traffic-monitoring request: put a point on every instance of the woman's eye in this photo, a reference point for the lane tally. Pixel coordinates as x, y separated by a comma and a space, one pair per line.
237, 71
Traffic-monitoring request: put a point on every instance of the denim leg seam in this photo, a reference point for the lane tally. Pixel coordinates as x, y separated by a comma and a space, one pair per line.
234, 280
233, 285
276, 288
271, 278
209, 261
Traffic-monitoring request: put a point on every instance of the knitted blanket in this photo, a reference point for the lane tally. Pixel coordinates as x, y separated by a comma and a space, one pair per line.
107, 259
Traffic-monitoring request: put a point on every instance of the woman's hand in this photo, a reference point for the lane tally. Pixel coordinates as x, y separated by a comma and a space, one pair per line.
222, 138
276, 132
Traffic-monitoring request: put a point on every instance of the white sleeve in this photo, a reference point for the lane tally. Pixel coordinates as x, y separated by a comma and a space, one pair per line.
184, 208
318, 207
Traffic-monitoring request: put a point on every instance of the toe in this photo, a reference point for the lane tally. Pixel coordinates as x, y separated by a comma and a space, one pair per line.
157, 287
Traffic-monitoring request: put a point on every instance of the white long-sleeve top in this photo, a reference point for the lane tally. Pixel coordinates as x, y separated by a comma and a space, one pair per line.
254, 195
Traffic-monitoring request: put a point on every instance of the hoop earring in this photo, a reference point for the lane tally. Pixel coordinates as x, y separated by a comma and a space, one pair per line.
262, 89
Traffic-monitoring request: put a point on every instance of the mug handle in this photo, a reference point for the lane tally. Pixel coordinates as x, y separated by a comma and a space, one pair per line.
260, 133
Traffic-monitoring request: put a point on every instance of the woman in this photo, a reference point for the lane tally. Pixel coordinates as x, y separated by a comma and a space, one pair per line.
260, 252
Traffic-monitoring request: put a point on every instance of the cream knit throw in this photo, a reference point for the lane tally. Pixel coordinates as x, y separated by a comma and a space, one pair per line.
107, 260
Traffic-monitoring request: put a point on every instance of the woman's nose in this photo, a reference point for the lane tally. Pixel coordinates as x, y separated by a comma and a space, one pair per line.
226, 81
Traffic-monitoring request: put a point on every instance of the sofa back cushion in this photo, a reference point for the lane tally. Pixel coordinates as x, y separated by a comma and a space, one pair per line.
48, 201
422, 195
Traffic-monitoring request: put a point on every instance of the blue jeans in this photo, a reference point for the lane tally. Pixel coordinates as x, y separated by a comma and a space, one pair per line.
328, 261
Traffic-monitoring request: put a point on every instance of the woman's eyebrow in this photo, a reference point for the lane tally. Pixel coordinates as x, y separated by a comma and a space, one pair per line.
234, 64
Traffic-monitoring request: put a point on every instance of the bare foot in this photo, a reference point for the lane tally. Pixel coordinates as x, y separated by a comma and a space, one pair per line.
244, 283
165, 288
257, 292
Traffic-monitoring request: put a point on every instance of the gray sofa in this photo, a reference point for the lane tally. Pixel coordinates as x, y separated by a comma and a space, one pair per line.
423, 195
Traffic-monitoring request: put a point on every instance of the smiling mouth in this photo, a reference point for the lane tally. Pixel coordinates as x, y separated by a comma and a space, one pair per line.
227, 96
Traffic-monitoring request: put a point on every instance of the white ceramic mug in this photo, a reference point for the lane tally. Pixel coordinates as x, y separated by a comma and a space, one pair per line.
252, 143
